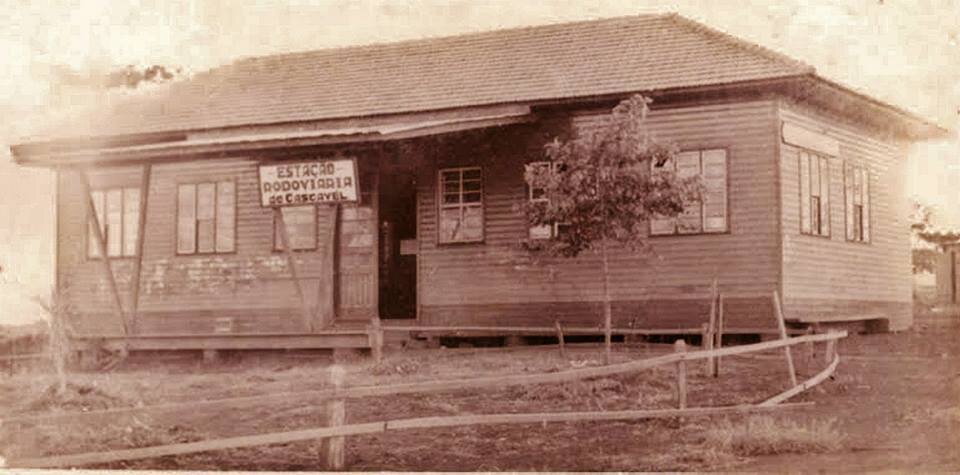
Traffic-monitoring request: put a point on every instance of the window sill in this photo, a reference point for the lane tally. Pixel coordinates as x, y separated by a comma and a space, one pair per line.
711, 233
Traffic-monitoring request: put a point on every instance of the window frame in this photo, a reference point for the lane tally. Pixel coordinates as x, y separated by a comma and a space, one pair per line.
825, 207
216, 217
277, 247
461, 205
726, 195
103, 221
866, 206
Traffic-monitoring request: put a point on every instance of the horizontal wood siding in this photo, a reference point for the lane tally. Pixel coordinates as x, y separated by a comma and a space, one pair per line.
824, 277
464, 281
249, 290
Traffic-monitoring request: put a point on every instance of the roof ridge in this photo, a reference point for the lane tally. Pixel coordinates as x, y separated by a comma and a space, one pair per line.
455, 36
740, 42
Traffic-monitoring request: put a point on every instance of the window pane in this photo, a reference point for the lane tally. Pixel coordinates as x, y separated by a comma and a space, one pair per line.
715, 199
451, 198
473, 223
226, 216
471, 174
131, 220
451, 187
186, 219
301, 227
114, 222
473, 197
450, 224
471, 186
814, 174
804, 193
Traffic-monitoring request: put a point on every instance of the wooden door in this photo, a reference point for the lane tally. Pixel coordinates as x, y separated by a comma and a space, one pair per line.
357, 252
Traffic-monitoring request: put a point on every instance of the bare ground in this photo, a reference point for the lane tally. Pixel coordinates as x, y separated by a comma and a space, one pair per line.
894, 404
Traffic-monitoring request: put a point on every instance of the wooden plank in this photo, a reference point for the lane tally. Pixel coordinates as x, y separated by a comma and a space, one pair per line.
486, 382
819, 378
79, 460
782, 326
708, 342
680, 347
542, 330
336, 416
563, 351
719, 334
141, 237
102, 246
292, 263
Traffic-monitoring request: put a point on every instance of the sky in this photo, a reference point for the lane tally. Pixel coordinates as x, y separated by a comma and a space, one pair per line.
906, 52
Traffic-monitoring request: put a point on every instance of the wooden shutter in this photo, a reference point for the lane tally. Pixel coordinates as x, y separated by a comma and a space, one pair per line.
227, 216
848, 198
715, 199
824, 196
865, 200
805, 193
186, 219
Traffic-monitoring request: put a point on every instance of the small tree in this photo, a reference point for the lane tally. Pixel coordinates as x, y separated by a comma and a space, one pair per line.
604, 186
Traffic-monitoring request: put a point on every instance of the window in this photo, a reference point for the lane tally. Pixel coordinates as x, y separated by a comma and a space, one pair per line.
206, 217
856, 184
118, 212
543, 231
814, 194
301, 222
461, 205
708, 215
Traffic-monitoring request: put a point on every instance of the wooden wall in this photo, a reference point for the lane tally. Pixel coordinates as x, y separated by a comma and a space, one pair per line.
497, 282
829, 277
249, 290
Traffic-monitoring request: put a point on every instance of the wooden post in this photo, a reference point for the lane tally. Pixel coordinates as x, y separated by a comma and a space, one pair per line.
831, 350
336, 416
141, 236
680, 346
102, 246
563, 351
292, 263
782, 326
707, 344
326, 293
376, 340
711, 324
718, 332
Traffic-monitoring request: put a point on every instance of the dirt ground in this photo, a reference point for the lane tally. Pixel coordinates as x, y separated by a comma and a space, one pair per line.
894, 404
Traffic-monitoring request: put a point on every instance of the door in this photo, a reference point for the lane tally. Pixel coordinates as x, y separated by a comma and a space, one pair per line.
398, 244
357, 251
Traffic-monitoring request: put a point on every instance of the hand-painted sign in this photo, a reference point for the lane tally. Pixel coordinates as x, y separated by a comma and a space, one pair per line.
305, 183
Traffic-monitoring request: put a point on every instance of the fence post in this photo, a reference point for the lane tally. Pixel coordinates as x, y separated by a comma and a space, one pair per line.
831, 350
782, 326
336, 416
563, 351
680, 346
706, 337
376, 340
718, 334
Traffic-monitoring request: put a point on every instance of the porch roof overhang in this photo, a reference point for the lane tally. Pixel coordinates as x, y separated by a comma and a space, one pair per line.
237, 141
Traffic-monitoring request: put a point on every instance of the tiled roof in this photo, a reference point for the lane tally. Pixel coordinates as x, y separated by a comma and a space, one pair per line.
618, 55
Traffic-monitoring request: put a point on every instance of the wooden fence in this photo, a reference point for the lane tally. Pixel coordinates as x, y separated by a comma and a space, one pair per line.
336, 395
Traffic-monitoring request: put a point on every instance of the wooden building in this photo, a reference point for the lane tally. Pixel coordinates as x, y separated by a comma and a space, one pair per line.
807, 191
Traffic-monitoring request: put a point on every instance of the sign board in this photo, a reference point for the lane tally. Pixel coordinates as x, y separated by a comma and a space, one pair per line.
818, 142
310, 182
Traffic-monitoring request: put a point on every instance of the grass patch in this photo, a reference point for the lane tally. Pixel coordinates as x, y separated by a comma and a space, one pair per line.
765, 435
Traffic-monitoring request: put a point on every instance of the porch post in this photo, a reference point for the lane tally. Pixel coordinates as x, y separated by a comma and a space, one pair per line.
141, 236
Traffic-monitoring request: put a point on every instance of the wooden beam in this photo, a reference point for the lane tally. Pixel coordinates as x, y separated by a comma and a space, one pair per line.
719, 334
79, 460
797, 389
102, 246
292, 263
141, 237
782, 326
484, 382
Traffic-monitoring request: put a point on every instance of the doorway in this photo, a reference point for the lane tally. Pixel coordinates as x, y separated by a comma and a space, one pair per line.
397, 239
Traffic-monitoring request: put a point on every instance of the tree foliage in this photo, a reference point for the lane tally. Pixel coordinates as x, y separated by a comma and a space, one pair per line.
605, 184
